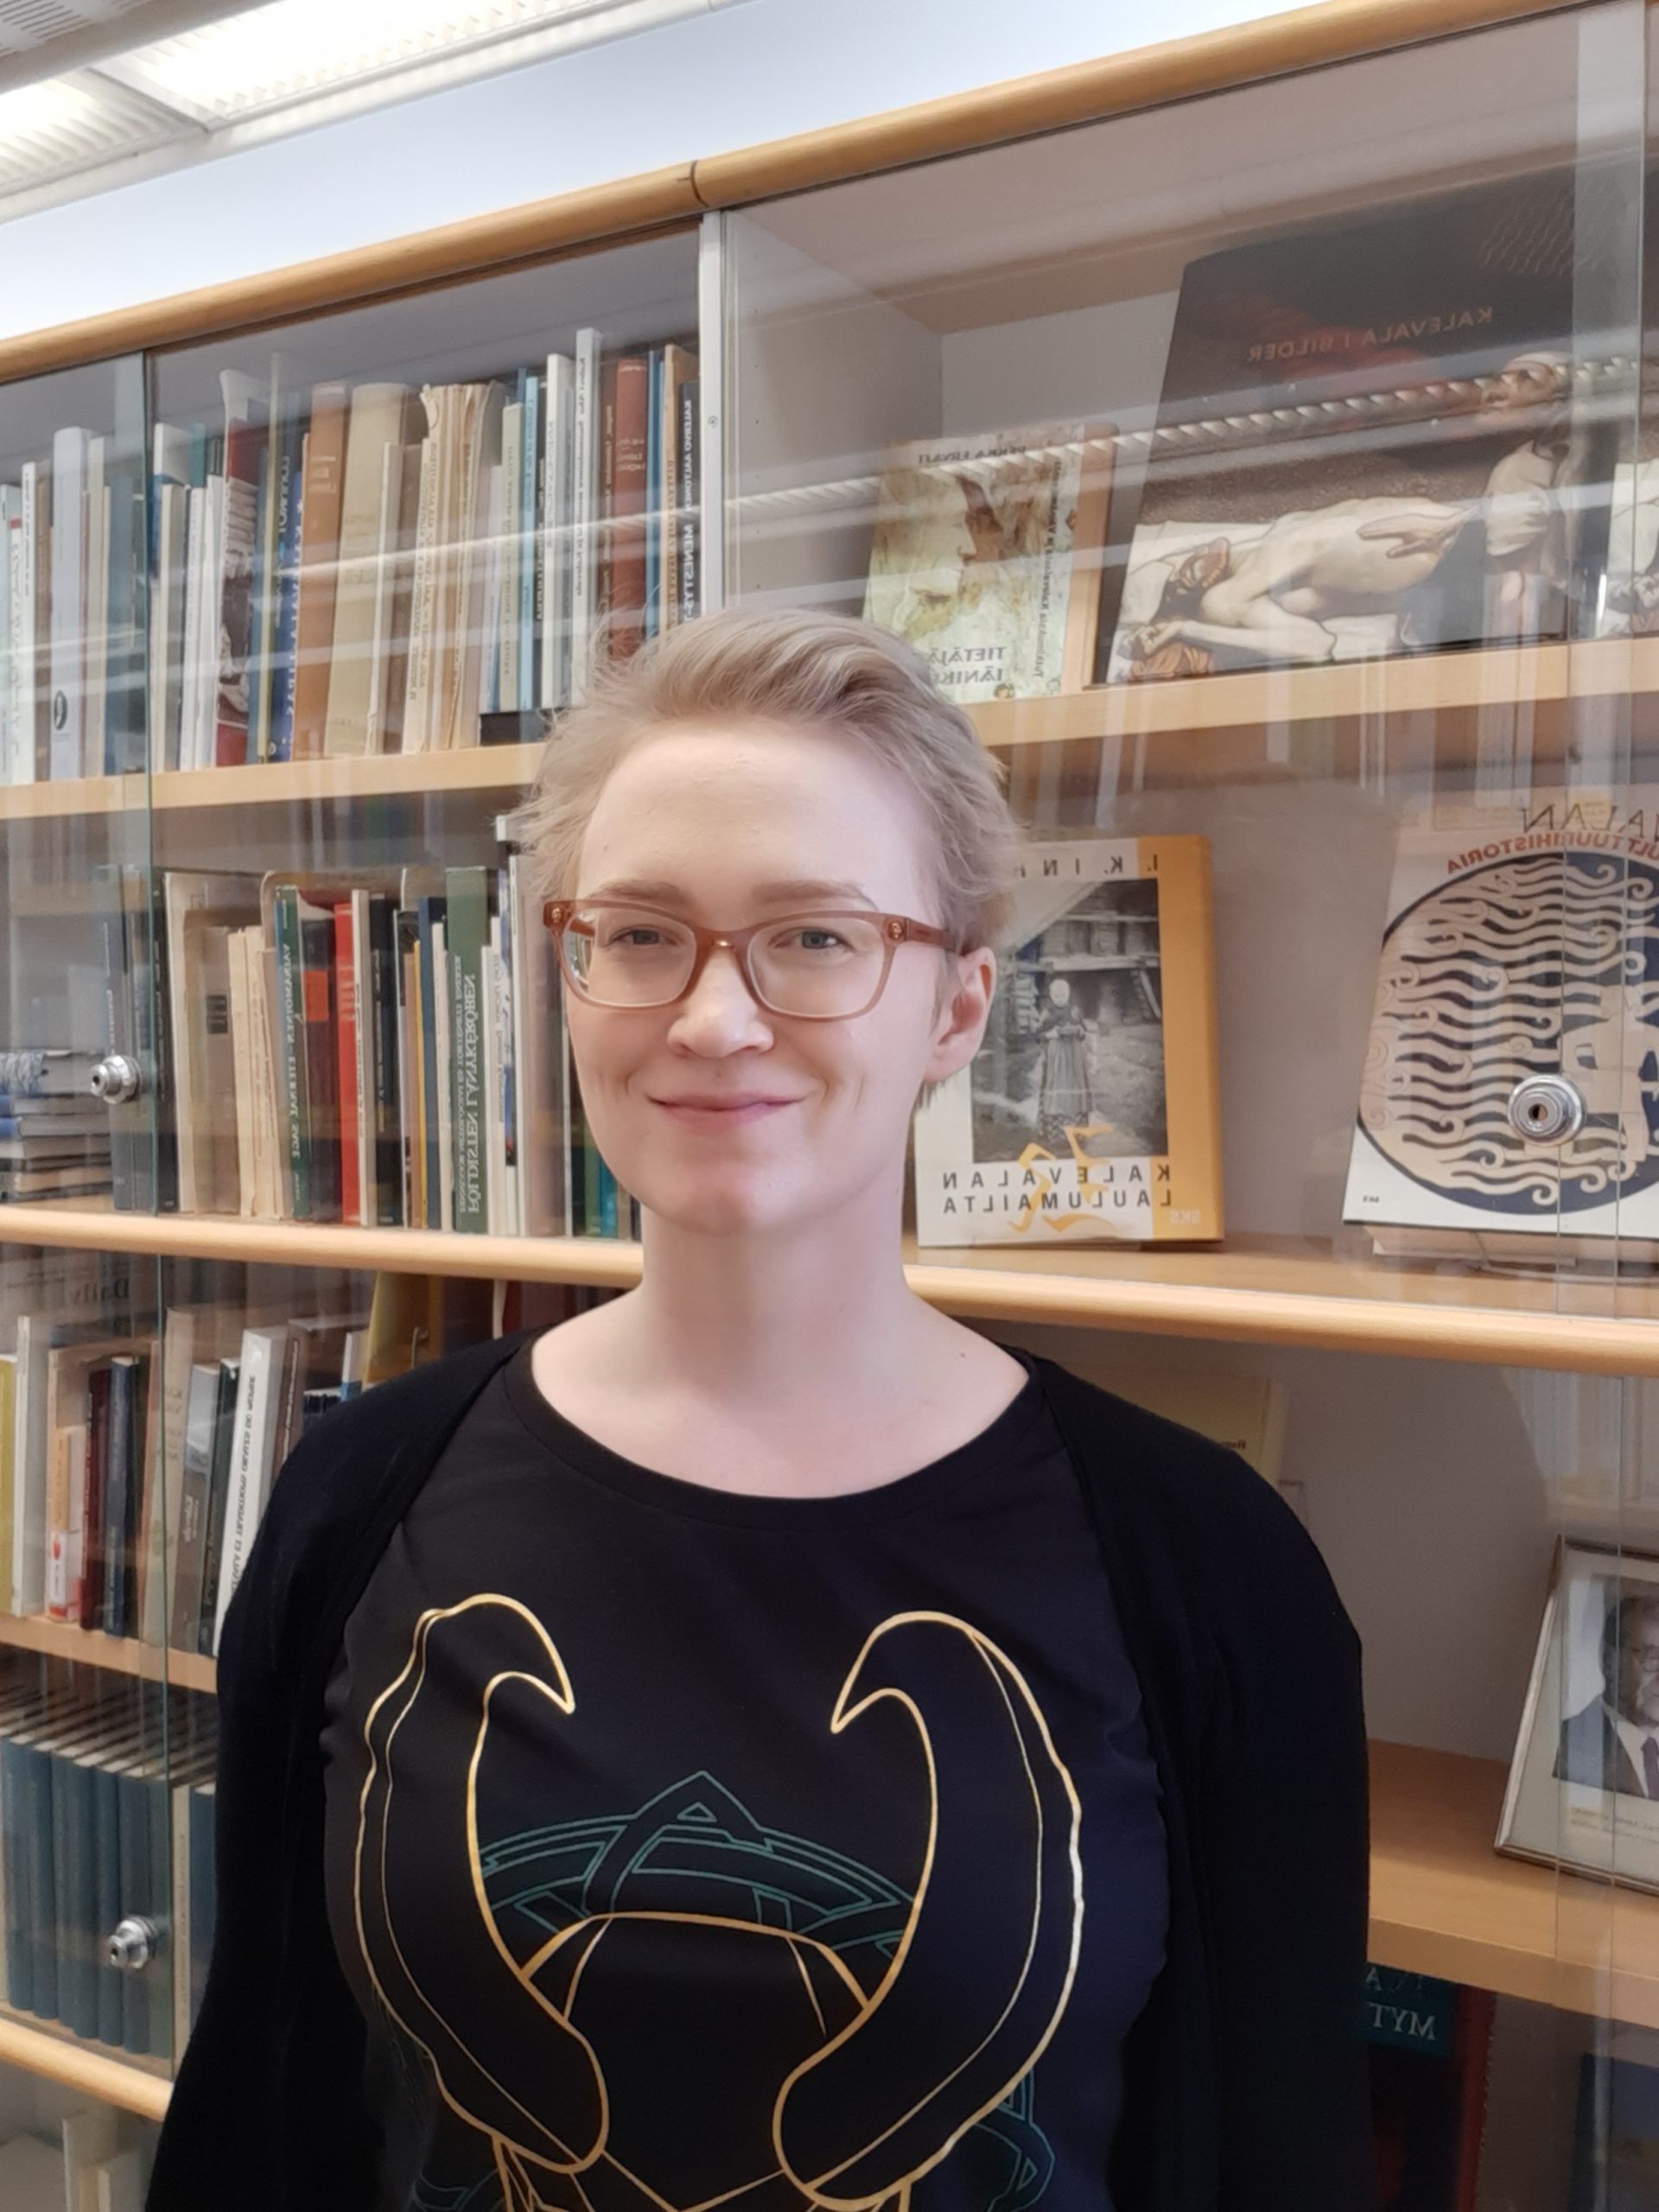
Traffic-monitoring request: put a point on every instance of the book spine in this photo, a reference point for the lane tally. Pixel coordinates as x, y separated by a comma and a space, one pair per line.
423, 606
509, 630
530, 547
285, 920
291, 453
431, 914
690, 524
468, 934
42, 1881
89, 1548
132, 1852
244, 455
197, 1463
259, 626
386, 1095
324, 483
115, 1559
107, 1874
584, 492
67, 615
351, 1187
554, 566
321, 1060
218, 1488
76, 1877
651, 610
15, 1902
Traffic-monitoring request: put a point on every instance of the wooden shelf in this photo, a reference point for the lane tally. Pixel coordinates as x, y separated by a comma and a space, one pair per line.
1443, 1902
1262, 1290
94, 2070
503, 768
1243, 724
1247, 720
122, 1655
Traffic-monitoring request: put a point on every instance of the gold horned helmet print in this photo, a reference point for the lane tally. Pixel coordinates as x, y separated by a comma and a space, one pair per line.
835, 2094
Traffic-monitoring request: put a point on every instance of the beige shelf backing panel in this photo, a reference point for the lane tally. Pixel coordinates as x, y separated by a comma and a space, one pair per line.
1443, 1902
137, 2085
121, 1655
1273, 1291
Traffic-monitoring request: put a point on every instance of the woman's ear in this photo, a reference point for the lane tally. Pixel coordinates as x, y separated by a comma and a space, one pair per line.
963, 1006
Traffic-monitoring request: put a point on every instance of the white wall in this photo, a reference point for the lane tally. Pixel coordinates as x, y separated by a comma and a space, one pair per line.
760, 70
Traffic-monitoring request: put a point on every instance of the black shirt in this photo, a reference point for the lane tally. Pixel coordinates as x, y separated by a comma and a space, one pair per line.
682, 1845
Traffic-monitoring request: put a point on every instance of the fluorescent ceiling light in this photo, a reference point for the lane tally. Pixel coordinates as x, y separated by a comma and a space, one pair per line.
292, 51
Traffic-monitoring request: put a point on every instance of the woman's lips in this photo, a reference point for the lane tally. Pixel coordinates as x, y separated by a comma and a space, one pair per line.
722, 1113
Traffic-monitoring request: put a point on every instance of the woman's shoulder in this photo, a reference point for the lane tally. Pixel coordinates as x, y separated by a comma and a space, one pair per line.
1202, 1527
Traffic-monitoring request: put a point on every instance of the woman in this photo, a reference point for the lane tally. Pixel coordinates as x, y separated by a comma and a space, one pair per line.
761, 1744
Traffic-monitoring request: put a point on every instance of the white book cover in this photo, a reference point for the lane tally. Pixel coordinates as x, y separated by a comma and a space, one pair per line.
492, 594
68, 587
33, 615
88, 2137
584, 518
118, 2182
1522, 943
253, 1437
557, 464
95, 655
511, 559
167, 623
11, 518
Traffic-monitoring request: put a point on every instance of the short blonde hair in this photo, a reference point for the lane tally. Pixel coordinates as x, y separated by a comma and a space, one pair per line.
828, 672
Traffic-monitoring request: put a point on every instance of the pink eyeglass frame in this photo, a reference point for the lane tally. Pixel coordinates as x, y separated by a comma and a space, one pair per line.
896, 929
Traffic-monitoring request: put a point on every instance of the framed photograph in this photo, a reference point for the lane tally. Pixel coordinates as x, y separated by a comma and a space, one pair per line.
1584, 1786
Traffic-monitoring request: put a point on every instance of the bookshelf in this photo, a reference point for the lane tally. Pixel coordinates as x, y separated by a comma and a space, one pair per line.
1012, 257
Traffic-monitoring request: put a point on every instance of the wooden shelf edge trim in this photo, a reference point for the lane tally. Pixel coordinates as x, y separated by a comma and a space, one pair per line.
109, 2081
121, 1655
1089, 92
1478, 1336
476, 245
1145, 76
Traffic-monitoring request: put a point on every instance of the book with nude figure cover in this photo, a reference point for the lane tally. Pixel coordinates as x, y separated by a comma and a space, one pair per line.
1091, 1112
1374, 438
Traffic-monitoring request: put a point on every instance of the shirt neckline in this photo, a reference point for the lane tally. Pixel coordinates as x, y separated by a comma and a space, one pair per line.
922, 1487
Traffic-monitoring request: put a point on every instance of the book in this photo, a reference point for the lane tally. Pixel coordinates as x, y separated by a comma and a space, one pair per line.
1091, 1111
1429, 2043
1370, 441
67, 621
625, 396
979, 553
251, 1464
320, 494
1519, 937
555, 570
247, 408
1615, 2136
382, 418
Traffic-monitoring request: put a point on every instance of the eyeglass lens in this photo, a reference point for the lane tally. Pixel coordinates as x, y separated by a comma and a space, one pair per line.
800, 965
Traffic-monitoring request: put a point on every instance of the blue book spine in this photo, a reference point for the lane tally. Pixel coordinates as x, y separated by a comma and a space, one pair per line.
654, 493
203, 1894
529, 552
41, 1929
290, 500
76, 1863
106, 1846
133, 1846
155, 1980
18, 1904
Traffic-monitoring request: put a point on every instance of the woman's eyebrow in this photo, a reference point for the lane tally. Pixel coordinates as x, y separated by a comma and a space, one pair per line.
765, 894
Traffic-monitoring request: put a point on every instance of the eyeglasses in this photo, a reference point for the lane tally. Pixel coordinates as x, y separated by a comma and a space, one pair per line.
821, 966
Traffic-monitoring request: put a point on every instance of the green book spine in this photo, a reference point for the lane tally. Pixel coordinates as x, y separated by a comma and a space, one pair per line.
285, 919
467, 932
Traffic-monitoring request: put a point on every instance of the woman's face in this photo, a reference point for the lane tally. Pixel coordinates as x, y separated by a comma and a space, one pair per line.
715, 1112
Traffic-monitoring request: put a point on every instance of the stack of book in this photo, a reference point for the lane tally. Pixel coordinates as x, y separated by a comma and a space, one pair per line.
72, 642
105, 1810
384, 1048
344, 571
54, 1135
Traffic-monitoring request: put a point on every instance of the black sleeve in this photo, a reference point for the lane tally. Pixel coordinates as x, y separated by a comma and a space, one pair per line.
1282, 1837
266, 2113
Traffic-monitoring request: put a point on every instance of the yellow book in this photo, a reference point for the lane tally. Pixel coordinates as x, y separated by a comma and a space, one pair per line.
1090, 1113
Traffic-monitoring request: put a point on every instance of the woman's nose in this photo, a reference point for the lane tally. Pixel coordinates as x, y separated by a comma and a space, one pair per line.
720, 1013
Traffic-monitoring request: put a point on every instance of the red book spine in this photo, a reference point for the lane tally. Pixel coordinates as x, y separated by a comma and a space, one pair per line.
351, 1189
